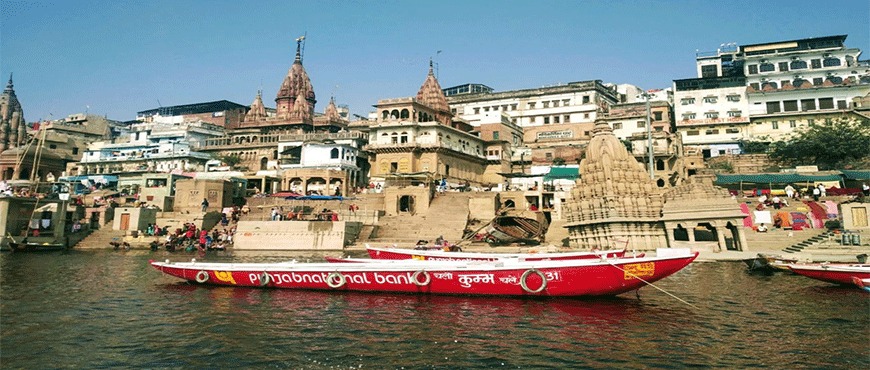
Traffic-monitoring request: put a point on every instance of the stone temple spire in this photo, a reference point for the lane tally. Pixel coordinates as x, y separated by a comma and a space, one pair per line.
615, 200
258, 109
12, 126
295, 84
431, 95
331, 111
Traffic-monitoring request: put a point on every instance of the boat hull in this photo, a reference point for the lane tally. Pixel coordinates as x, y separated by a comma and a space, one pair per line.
543, 278
35, 247
438, 255
833, 273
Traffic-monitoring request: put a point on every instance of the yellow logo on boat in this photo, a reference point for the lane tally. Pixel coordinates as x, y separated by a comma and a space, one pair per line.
421, 258
636, 270
225, 276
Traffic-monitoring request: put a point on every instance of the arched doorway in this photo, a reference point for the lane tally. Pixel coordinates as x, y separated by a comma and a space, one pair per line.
406, 204
263, 163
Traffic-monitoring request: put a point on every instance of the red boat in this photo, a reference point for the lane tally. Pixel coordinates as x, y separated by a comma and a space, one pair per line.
441, 255
565, 278
837, 273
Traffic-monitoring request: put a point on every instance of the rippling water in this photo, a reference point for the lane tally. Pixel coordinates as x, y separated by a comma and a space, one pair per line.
110, 309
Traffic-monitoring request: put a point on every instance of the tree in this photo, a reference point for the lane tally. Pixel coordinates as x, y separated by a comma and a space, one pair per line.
230, 160
833, 144
754, 146
558, 161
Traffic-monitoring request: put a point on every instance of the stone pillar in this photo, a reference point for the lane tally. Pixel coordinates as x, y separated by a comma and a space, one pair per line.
691, 232
721, 236
670, 235
741, 236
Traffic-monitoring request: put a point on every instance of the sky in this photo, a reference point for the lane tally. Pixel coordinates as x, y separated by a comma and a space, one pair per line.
116, 58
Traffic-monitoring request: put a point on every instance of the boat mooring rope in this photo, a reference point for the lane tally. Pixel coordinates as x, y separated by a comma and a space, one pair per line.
653, 285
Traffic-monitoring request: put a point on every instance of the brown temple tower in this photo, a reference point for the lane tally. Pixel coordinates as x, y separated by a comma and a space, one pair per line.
296, 96
13, 130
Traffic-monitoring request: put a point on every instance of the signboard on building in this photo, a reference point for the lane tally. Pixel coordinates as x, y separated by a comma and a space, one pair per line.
551, 135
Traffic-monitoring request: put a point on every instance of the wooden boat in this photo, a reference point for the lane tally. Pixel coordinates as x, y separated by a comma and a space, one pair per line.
516, 227
441, 255
769, 263
566, 278
837, 273
36, 247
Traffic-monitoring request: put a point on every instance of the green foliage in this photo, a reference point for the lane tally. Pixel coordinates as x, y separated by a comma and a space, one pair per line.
834, 144
558, 161
229, 160
628, 145
753, 146
832, 224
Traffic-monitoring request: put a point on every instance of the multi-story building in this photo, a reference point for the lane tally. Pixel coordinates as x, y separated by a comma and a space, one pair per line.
223, 113
551, 116
766, 91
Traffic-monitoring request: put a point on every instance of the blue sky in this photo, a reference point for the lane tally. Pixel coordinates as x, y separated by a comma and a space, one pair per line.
120, 57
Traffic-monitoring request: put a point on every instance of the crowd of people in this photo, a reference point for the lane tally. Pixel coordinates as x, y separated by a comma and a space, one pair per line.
190, 238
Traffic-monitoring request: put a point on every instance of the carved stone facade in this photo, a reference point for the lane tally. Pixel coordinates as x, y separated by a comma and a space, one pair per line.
12, 125
698, 212
615, 201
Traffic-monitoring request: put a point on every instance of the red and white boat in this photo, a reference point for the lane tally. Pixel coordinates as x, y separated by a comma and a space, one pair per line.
837, 273
441, 255
565, 278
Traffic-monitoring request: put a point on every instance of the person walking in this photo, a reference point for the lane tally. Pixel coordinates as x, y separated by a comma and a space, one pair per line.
204, 205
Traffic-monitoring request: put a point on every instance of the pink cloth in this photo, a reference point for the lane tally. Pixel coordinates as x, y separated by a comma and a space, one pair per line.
747, 221
831, 208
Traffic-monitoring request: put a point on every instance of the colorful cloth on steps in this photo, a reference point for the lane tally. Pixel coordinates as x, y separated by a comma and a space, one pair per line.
747, 221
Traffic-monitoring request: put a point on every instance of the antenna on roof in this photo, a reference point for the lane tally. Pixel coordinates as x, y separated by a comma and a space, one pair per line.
436, 63
158, 104
301, 40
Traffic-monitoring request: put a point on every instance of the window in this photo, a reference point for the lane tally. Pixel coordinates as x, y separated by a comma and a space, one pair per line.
495, 108
566, 118
546, 120
404, 138
555, 103
585, 115
798, 64
831, 62
811, 122
693, 133
735, 113
657, 116
513, 107
774, 125
495, 135
687, 116
531, 105
453, 110
771, 85
617, 125
533, 120
732, 130
514, 121
394, 166
566, 102
753, 69
75, 151
826, 103
641, 124
711, 115
754, 86
711, 131
816, 63
841, 104
395, 139
585, 133
773, 107
476, 110
687, 101
658, 128
333, 153
792, 123
709, 71
556, 119
549, 156
766, 67
486, 109
734, 97
817, 81
546, 104
710, 99
790, 106
783, 66
52, 146
504, 107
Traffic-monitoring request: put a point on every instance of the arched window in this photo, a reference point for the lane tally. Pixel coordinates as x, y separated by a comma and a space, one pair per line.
798, 64
404, 138
831, 62
835, 79
274, 154
766, 67
333, 153
660, 165
394, 114
385, 114
405, 114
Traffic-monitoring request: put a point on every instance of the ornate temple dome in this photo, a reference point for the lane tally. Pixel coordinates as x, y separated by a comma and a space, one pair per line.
331, 111
615, 198
431, 95
295, 84
258, 109
12, 125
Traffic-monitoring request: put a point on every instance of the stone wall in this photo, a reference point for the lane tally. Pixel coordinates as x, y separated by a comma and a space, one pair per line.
291, 235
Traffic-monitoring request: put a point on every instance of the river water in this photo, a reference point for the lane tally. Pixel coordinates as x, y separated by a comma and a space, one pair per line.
110, 309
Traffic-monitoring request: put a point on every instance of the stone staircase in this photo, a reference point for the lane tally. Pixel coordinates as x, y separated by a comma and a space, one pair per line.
825, 235
100, 239
447, 217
